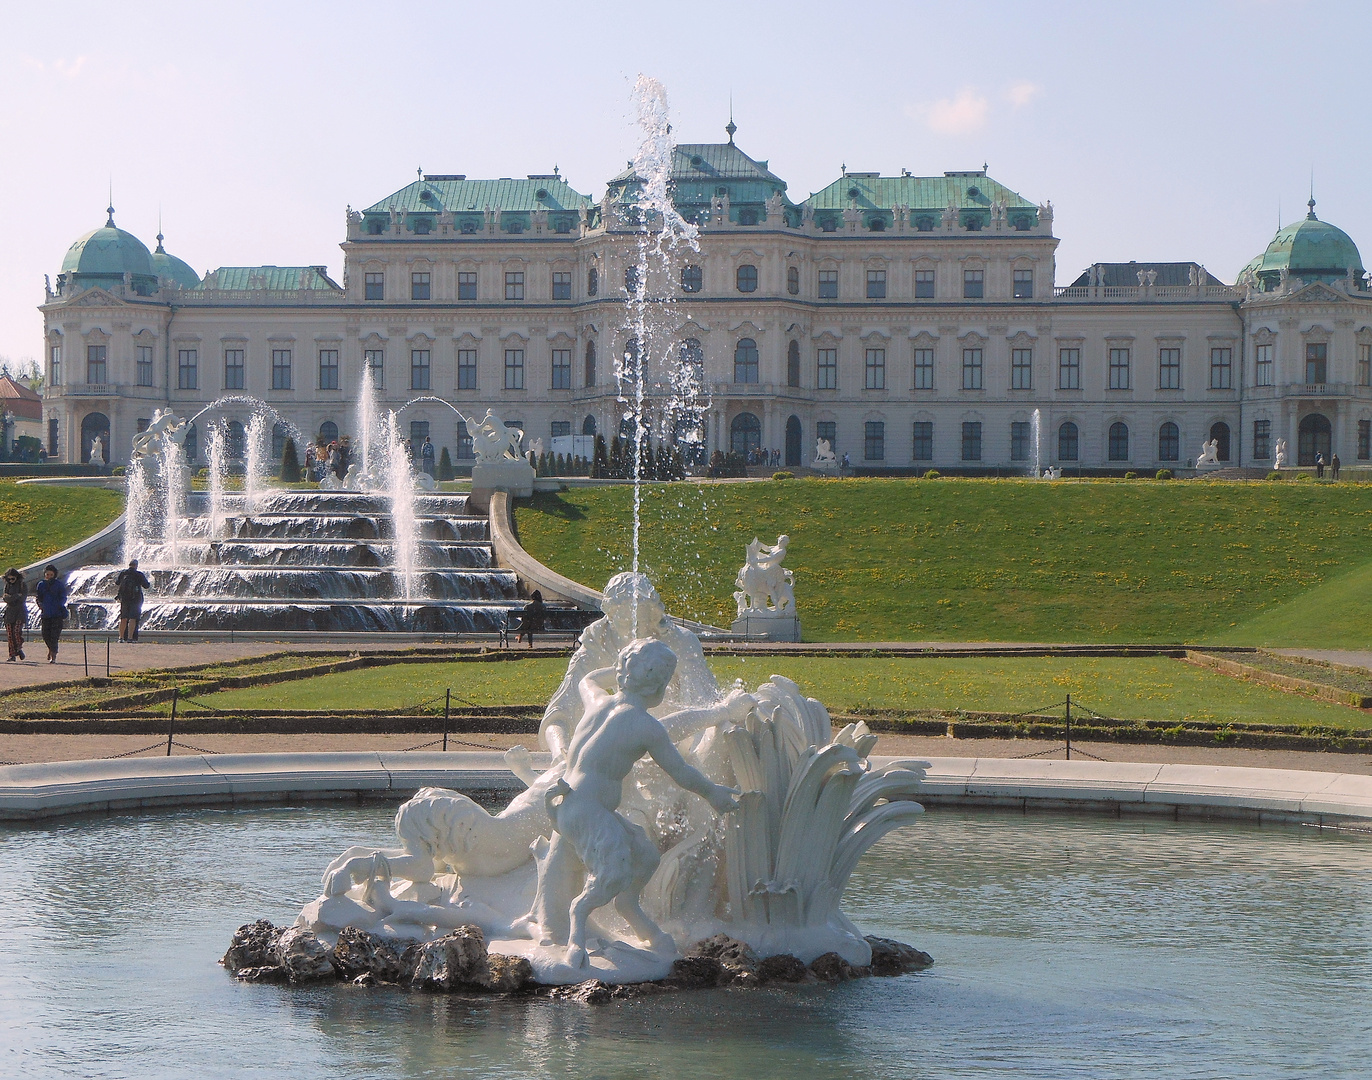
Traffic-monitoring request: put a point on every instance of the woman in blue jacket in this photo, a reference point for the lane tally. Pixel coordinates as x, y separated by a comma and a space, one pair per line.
51, 595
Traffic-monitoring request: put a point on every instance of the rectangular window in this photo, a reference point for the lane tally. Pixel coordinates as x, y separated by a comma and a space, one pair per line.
1316, 363
514, 285
466, 285
1021, 369
561, 428
828, 431
1119, 369
419, 285
466, 369
328, 369
562, 285
419, 431
1069, 369
375, 361
55, 355
1365, 365
1019, 440
924, 369
1169, 369
924, 284
874, 441
1364, 440
95, 363
464, 442
973, 284
188, 369
876, 284
562, 370
924, 441
876, 369
826, 369
1263, 372
1262, 440
375, 286
281, 369
1221, 369
234, 370
1024, 284
971, 369
971, 440
420, 369
828, 284
144, 365
514, 369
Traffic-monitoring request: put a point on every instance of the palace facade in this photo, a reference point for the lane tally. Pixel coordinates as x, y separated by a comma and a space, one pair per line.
912, 321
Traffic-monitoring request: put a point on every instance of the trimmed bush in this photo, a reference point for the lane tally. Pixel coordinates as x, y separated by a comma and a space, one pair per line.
1164, 474
1276, 474
118, 470
290, 462
1131, 476
445, 465
932, 474
783, 475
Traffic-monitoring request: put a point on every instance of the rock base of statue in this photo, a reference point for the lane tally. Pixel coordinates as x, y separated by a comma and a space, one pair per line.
828, 466
1210, 466
516, 477
768, 626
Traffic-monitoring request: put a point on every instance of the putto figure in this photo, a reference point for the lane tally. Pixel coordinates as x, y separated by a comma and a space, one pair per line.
493, 441
763, 584
592, 845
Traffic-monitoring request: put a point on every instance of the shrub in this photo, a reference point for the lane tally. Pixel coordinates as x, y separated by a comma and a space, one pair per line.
118, 470
932, 474
1131, 476
1305, 477
1276, 474
290, 462
1164, 474
203, 474
445, 465
783, 475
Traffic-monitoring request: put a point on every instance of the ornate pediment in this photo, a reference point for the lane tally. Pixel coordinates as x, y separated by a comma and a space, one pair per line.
96, 298
1317, 292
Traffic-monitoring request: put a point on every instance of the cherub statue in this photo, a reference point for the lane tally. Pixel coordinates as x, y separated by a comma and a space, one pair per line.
592, 845
493, 441
763, 584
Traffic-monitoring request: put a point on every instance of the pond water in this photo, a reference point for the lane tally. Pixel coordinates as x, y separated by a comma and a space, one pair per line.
1064, 947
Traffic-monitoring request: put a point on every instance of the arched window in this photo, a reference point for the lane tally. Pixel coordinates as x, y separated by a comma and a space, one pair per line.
588, 426
328, 432
693, 360
590, 363
632, 281
745, 361
236, 441
191, 447
793, 280
1313, 438
95, 429
745, 434
876, 224
629, 363
1119, 442
1169, 442
1067, 442
279, 436
592, 281
793, 438
746, 278
793, 364
747, 216
1220, 433
692, 279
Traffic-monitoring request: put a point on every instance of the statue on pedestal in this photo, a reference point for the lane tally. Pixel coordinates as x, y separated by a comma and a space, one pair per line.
1279, 461
1210, 454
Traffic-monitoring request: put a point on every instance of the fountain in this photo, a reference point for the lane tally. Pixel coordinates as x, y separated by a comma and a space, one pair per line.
1036, 439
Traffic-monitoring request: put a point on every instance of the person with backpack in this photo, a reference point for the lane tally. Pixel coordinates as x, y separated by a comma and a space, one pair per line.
128, 587
51, 594
16, 611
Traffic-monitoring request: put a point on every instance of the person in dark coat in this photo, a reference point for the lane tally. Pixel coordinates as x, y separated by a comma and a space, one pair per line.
16, 611
51, 594
1334, 464
128, 587
1319, 466
535, 612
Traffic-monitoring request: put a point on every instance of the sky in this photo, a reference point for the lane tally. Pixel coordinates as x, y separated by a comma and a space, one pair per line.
1160, 131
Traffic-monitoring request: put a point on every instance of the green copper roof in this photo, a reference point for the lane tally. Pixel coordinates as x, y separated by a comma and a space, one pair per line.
457, 195
170, 268
965, 190
281, 278
1311, 249
705, 163
108, 251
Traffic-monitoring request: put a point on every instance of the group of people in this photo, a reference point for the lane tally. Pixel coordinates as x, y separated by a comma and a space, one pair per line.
762, 456
331, 457
1333, 465
50, 595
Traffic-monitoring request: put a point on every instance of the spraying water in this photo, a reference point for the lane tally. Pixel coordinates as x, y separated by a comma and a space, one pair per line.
258, 454
1035, 430
138, 508
661, 232
400, 483
366, 417
173, 467
217, 452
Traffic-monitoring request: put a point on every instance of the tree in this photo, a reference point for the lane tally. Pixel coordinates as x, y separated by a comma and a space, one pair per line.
445, 465
290, 462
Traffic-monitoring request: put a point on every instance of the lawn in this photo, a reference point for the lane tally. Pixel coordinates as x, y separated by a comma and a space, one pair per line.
1130, 689
37, 520
986, 560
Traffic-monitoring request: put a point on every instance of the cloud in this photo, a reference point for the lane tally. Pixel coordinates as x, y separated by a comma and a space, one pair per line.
1023, 92
959, 115
69, 70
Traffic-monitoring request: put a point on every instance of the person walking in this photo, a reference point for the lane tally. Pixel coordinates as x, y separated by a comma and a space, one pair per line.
51, 594
16, 612
426, 456
128, 587
1319, 466
535, 612
1334, 464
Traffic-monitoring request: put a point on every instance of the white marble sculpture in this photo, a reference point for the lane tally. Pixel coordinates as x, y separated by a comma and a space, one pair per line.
763, 584
493, 441
1053, 472
150, 446
771, 873
1210, 454
824, 455
1279, 461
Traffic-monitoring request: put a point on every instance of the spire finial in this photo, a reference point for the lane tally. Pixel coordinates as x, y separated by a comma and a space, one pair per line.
731, 127
109, 222
1311, 216
159, 232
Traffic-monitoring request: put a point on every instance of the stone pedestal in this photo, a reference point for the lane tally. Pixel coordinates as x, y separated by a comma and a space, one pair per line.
516, 477
829, 468
768, 626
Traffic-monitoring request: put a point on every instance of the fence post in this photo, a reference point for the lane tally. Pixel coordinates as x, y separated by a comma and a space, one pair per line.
447, 704
85, 656
171, 727
1069, 727
107, 656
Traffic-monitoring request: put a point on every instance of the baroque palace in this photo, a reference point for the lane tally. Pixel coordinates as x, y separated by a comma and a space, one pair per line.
912, 321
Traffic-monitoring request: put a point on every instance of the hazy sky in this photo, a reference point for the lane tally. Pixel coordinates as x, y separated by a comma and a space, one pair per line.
1159, 130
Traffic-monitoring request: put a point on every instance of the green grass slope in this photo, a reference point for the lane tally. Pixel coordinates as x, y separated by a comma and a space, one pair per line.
1335, 615
37, 521
978, 560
